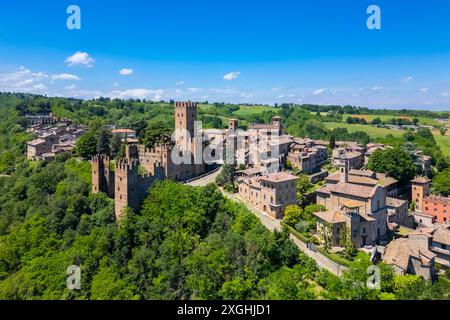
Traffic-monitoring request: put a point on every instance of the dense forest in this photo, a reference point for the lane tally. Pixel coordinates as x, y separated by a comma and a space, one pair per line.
185, 243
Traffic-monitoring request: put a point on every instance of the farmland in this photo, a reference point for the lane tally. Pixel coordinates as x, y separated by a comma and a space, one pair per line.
377, 133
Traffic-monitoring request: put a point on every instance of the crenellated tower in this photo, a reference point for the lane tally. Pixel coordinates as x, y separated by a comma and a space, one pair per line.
126, 186
102, 176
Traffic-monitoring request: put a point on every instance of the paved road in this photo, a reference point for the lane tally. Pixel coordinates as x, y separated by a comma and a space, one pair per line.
201, 182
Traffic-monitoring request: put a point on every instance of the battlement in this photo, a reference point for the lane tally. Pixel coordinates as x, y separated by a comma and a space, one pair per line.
127, 164
187, 104
99, 158
161, 147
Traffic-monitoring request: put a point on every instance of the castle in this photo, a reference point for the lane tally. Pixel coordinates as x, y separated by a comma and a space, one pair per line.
128, 179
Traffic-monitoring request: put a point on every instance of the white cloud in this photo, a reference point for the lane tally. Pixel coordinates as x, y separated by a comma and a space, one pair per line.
246, 95
179, 83
377, 88
132, 93
407, 79
23, 79
231, 76
319, 91
445, 94
66, 76
281, 96
276, 89
71, 87
80, 58
424, 90
39, 87
116, 84
126, 72
194, 90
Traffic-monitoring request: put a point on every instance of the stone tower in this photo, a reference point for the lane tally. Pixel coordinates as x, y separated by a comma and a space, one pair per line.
276, 122
343, 171
420, 188
102, 176
185, 117
126, 186
189, 142
233, 124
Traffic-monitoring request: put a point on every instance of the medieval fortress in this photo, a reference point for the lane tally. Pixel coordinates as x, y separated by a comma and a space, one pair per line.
186, 156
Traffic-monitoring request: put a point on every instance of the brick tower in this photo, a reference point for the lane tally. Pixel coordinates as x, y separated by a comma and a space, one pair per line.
187, 140
420, 188
185, 117
126, 186
102, 177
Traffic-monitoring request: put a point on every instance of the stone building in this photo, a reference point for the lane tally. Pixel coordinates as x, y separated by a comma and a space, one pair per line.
411, 255
306, 156
367, 178
359, 209
398, 214
270, 193
129, 179
352, 153
52, 138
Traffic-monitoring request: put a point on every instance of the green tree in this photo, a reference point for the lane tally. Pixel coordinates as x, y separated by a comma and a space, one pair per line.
104, 137
332, 141
226, 175
292, 214
395, 162
86, 145
441, 183
155, 133
116, 145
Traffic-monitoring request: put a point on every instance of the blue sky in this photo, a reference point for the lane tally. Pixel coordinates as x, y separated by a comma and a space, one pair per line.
235, 51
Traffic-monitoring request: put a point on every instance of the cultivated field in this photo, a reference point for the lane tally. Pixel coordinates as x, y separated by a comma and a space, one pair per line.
374, 132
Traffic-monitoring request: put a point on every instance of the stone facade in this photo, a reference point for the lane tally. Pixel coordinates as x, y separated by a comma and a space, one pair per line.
352, 154
307, 157
361, 209
269, 193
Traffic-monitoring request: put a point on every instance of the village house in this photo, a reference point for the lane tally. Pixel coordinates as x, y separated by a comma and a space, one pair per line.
307, 157
353, 154
53, 136
367, 178
411, 255
270, 193
398, 214
420, 251
437, 208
